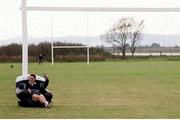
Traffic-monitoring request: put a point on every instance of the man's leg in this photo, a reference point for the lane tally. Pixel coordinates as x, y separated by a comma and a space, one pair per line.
40, 98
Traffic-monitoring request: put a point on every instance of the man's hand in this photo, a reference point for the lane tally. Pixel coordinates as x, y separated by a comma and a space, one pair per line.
29, 90
45, 76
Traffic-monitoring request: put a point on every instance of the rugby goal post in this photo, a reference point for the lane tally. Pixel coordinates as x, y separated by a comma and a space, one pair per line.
67, 47
25, 8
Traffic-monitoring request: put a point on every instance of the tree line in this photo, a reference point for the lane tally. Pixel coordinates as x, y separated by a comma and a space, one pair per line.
13, 52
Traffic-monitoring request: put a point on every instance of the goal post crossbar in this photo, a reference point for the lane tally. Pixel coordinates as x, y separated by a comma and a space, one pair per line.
70, 46
104, 9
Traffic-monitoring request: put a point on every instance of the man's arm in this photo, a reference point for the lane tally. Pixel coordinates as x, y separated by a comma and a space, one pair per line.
46, 81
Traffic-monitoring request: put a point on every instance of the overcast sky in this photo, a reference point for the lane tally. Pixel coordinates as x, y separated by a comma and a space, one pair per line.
40, 24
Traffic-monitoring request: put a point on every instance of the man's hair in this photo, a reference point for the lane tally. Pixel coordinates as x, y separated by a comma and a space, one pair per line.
33, 75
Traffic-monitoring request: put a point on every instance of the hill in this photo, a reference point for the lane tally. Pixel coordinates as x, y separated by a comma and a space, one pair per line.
148, 39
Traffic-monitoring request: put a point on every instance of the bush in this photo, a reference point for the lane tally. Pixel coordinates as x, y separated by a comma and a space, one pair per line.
5, 58
78, 58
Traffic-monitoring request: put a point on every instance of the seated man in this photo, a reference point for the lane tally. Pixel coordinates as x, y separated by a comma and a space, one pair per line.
32, 92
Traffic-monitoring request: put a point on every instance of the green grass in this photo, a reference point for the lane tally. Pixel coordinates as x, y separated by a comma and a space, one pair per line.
101, 90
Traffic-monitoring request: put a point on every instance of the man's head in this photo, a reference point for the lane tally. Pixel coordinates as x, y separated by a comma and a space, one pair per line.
32, 78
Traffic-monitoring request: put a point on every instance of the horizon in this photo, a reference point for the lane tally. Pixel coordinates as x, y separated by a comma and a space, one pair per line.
148, 39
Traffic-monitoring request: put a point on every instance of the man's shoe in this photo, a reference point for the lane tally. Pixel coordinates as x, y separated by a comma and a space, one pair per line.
49, 105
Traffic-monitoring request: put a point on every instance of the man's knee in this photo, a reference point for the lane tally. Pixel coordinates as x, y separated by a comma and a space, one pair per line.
36, 97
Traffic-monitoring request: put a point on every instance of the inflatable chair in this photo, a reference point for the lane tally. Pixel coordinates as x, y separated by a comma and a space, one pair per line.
24, 97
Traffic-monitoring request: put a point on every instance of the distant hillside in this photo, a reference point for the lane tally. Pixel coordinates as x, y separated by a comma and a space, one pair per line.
92, 41
163, 40
148, 39
150, 49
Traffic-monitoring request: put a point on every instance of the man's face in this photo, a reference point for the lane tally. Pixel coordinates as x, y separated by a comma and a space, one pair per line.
31, 79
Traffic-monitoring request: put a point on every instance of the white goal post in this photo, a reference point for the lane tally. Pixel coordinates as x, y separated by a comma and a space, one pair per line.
67, 47
25, 8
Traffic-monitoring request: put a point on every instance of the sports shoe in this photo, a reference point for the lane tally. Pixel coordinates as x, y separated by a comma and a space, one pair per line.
48, 105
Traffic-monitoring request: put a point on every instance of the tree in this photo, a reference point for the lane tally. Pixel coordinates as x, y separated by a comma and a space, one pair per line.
136, 35
155, 45
123, 30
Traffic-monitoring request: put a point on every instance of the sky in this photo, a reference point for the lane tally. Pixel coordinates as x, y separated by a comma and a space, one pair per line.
42, 24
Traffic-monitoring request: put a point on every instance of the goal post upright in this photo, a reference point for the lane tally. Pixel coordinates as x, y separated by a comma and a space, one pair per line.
52, 50
52, 54
25, 8
24, 38
87, 55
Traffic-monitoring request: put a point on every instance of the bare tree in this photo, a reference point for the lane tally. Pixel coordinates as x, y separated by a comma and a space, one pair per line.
123, 31
136, 35
118, 35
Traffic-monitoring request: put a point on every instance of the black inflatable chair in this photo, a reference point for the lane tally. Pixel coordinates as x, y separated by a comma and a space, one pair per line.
24, 98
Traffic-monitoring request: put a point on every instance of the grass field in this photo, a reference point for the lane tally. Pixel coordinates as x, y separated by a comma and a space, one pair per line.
101, 90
